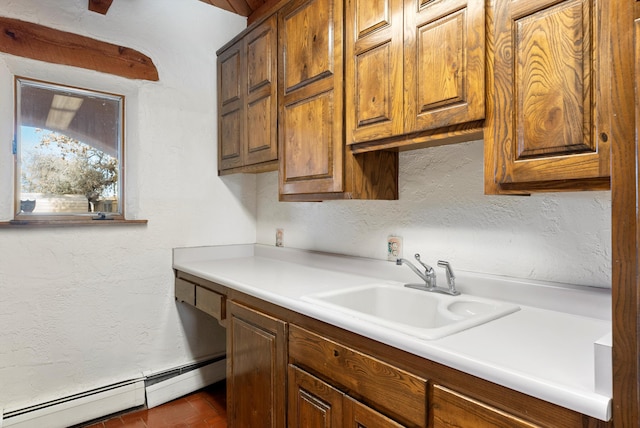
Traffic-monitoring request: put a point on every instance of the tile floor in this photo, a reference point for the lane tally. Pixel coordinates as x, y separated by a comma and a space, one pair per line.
204, 408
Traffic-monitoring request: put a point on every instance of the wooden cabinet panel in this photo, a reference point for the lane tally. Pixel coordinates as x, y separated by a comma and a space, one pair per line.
311, 101
312, 402
374, 69
185, 291
230, 108
256, 368
392, 391
548, 128
210, 302
357, 415
247, 101
415, 72
444, 63
262, 99
451, 409
314, 161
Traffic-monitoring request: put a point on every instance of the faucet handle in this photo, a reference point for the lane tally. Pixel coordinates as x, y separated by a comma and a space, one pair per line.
451, 277
427, 268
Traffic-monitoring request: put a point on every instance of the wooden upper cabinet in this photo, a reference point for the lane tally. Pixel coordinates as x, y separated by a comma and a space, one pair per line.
548, 124
414, 68
262, 99
247, 101
231, 129
444, 63
310, 120
374, 69
314, 162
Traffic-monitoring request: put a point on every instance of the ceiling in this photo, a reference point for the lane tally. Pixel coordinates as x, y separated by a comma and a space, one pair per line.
241, 7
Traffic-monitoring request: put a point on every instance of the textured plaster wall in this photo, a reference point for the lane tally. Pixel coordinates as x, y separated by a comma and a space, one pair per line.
442, 213
85, 307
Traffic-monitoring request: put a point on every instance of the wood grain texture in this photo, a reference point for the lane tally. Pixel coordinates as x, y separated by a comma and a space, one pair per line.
451, 409
373, 70
444, 52
261, 46
100, 6
549, 96
393, 391
247, 101
311, 97
256, 368
41, 43
357, 415
625, 196
312, 402
231, 107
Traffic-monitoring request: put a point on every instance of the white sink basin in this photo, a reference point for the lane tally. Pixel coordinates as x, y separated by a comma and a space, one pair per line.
418, 313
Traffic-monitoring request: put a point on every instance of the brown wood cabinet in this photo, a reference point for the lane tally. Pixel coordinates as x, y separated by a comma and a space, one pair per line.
316, 404
414, 66
394, 392
451, 409
314, 162
284, 368
256, 368
548, 116
247, 101
197, 293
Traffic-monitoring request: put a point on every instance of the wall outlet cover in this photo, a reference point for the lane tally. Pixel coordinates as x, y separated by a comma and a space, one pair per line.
394, 248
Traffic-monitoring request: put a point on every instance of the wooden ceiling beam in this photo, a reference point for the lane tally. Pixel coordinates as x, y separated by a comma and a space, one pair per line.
100, 6
35, 41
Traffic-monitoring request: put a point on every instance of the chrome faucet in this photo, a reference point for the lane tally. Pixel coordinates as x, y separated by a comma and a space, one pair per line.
429, 276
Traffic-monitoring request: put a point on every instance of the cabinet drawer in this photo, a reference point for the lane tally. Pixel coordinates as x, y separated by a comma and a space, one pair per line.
185, 291
393, 391
210, 302
451, 409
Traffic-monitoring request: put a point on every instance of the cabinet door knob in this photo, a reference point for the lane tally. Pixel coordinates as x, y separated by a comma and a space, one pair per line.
336, 353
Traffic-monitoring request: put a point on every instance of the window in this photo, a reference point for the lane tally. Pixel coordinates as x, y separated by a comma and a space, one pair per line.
69, 153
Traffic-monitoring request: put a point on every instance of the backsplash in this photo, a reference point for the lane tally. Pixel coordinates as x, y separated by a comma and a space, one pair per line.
443, 214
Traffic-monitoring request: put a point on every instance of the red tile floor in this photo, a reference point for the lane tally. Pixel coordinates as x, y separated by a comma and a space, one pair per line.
204, 408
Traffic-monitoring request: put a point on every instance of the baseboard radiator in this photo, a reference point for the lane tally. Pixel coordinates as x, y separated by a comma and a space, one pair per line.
151, 389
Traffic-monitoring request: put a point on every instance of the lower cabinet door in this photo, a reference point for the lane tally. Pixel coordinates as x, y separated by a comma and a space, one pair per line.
314, 403
256, 368
357, 415
452, 409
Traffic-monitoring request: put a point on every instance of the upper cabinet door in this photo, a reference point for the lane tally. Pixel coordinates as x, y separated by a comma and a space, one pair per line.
262, 96
311, 97
231, 113
374, 69
248, 101
444, 63
548, 128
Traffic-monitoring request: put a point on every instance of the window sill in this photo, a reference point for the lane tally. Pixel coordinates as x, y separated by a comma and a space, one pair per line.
29, 224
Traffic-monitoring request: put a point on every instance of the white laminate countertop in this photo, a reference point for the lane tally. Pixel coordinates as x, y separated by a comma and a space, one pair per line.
546, 349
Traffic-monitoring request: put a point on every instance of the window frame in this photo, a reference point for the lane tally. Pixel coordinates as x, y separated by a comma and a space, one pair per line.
79, 218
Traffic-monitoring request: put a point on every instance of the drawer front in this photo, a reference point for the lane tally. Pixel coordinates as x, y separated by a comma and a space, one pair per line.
451, 409
185, 291
393, 391
210, 302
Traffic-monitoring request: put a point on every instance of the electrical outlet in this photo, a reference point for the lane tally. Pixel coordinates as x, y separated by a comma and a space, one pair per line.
394, 248
279, 237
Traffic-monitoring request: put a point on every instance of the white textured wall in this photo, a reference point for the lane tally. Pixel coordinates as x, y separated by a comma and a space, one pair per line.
84, 307
442, 213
